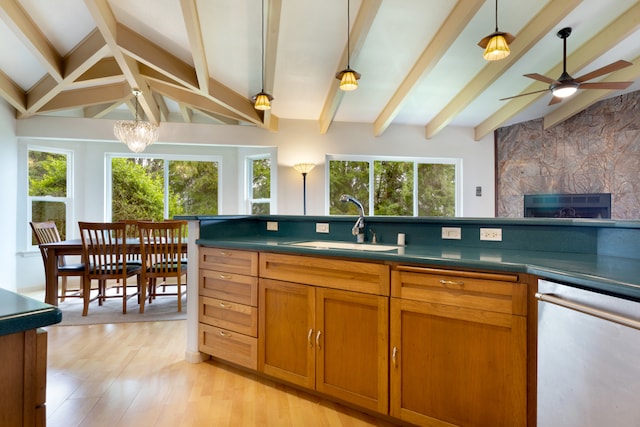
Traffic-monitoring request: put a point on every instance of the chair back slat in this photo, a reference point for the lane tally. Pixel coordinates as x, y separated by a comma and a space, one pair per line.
161, 246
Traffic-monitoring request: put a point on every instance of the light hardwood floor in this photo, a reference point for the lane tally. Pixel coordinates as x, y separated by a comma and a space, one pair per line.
134, 374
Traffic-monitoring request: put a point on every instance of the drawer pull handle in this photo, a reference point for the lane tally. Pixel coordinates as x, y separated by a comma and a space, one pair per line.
223, 305
309, 337
447, 283
223, 253
225, 334
225, 277
318, 339
394, 356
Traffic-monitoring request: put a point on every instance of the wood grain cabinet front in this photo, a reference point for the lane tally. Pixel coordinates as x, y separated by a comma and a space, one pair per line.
332, 340
228, 305
458, 348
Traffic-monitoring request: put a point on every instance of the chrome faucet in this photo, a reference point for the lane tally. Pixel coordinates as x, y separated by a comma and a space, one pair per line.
358, 227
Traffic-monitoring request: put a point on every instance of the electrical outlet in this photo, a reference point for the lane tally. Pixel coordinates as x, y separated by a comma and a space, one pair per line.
322, 227
452, 233
491, 234
272, 226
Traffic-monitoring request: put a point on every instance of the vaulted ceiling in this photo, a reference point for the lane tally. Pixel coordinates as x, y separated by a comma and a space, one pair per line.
200, 61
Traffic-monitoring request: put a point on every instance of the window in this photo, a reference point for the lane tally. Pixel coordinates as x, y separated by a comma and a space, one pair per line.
158, 188
49, 189
259, 185
400, 187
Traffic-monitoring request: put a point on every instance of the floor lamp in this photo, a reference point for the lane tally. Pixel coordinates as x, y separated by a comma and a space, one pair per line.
304, 169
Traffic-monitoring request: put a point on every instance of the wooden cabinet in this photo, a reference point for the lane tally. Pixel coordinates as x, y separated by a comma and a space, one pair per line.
228, 305
23, 369
458, 348
332, 340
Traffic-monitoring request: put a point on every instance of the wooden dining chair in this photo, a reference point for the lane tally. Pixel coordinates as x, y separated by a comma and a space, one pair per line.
47, 232
161, 248
104, 253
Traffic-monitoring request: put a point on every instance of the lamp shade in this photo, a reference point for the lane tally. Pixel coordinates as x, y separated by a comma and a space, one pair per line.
304, 167
496, 46
348, 79
262, 101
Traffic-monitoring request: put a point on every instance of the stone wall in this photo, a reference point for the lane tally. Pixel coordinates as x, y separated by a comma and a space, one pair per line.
595, 151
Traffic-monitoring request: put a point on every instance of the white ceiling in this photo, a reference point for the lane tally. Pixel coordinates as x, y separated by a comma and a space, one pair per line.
200, 60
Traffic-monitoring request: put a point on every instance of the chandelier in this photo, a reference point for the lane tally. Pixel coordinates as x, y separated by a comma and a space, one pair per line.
136, 134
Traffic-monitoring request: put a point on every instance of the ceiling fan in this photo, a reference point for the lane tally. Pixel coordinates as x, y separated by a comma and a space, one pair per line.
566, 85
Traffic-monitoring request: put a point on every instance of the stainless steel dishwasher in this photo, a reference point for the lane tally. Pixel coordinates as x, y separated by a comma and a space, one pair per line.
588, 358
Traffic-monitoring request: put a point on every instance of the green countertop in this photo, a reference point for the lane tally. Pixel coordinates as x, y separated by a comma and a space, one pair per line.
19, 313
617, 276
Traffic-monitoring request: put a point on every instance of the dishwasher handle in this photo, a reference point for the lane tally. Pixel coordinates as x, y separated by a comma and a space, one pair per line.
592, 311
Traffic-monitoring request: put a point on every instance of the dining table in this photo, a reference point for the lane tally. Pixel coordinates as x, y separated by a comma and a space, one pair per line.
56, 250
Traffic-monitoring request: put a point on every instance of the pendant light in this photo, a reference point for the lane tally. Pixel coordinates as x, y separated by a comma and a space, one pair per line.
496, 44
136, 134
348, 77
262, 100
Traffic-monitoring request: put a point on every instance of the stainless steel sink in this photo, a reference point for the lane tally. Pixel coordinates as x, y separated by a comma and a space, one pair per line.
326, 244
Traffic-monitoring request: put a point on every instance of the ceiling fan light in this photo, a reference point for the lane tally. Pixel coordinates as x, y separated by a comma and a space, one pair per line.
564, 90
262, 101
497, 47
348, 79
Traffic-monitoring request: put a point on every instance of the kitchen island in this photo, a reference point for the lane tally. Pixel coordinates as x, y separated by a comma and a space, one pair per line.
466, 295
23, 358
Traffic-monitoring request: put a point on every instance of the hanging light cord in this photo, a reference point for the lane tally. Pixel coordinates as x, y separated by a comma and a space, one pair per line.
349, 36
262, 46
496, 16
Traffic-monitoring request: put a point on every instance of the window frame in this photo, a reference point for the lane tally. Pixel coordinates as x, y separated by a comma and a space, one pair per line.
248, 180
68, 200
457, 162
165, 158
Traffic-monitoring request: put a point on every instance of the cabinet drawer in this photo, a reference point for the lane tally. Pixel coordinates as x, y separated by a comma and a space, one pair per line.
229, 315
229, 260
230, 346
496, 292
366, 277
229, 286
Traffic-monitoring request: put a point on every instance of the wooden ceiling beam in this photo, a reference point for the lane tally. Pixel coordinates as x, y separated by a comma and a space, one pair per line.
459, 17
185, 96
107, 25
12, 93
80, 98
538, 27
217, 119
100, 110
186, 113
164, 110
26, 30
194, 32
598, 45
359, 32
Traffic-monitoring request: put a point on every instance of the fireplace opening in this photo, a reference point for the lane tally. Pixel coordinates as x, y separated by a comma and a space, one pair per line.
590, 205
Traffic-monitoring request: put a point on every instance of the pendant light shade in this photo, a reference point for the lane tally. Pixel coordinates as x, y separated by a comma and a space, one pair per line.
136, 134
348, 77
262, 100
496, 44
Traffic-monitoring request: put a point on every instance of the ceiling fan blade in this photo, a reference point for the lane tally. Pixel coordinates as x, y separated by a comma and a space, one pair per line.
524, 94
540, 77
605, 85
614, 66
555, 100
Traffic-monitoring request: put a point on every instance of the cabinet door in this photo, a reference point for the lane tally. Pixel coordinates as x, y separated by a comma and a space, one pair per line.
352, 348
457, 366
286, 332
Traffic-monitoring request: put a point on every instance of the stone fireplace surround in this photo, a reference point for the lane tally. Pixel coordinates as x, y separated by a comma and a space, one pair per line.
595, 151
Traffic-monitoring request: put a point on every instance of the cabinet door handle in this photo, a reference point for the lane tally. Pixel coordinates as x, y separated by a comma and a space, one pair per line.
309, 335
447, 283
225, 277
394, 355
318, 339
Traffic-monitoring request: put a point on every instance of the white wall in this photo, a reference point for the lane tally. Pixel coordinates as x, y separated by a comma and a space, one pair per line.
8, 180
295, 142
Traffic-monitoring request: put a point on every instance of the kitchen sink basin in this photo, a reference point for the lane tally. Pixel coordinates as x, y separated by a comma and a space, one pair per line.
325, 244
